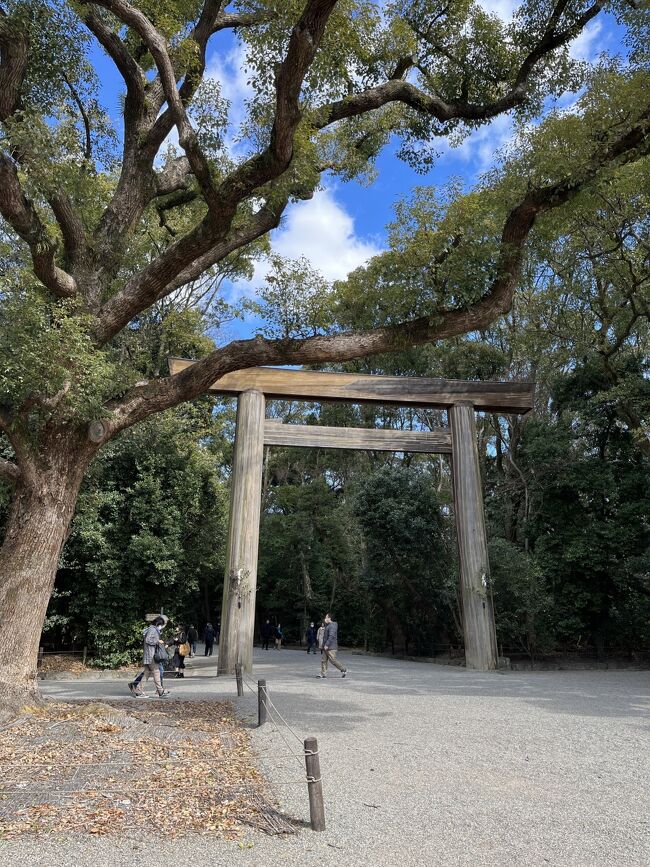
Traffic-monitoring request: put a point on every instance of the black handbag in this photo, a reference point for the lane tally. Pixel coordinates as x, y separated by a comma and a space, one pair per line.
160, 654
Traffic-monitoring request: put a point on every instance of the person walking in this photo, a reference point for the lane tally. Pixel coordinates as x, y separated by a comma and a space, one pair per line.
208, 638
279, 635
311, 638
152, 641
330, 647
181, 648
267, 634
134, 686
192, 637
320, 635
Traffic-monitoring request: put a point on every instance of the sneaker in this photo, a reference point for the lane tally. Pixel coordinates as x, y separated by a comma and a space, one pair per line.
163, 693
344, 672
322, 676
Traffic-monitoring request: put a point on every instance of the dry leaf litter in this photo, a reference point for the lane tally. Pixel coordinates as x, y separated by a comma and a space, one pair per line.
122, 768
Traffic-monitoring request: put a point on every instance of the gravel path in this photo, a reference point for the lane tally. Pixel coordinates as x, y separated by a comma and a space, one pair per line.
424, 764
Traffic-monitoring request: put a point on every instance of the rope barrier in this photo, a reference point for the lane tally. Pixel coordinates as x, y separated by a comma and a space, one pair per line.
308, 756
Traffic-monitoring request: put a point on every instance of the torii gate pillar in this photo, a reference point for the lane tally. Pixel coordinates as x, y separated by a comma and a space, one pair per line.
476, 596
240, 582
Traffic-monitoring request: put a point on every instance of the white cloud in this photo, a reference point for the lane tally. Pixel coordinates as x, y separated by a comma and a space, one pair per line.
587, 44
480, 148
322, 231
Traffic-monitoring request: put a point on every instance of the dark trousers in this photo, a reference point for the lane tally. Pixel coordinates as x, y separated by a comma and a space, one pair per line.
208, 648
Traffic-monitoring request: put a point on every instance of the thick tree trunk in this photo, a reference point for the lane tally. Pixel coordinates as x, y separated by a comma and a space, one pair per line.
41, 511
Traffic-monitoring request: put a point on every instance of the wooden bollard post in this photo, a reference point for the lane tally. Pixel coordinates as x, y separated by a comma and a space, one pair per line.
239, 679
85, 654
314, 785
262, 707
40, 658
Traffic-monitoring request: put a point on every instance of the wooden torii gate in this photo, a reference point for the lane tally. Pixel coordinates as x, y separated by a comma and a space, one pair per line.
253, 431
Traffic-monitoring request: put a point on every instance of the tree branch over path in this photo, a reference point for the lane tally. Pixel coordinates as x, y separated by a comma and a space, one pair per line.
271, 163
158, 395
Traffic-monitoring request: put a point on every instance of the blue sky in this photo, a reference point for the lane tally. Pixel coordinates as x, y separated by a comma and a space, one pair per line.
345, 223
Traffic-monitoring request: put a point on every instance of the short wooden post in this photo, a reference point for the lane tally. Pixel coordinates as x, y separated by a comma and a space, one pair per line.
39, 664
262, 706
238, 607
85, 654
478, 614
314, 785
239, 679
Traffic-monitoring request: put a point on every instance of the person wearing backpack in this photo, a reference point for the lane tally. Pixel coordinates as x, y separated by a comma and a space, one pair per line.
153, 654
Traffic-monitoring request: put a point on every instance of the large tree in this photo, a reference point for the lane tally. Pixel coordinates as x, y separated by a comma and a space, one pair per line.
100, 225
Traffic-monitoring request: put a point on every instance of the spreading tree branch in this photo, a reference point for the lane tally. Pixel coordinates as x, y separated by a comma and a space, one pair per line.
237, 20
72, 229
267, 218
134, 186
238, 186
74, 93
398, 90
157, 395
21, 214
188, 140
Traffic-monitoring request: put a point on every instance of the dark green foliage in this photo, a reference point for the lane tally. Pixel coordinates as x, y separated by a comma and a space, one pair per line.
522, 602
589, 527
148, 533
409, 565
309, 550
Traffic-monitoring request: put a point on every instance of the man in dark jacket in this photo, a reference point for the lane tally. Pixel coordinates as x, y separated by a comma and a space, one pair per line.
208, 637
330, 647
192, 637
311, 638
267, 634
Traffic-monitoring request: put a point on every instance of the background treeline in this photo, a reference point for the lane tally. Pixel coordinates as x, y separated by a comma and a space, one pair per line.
370, 535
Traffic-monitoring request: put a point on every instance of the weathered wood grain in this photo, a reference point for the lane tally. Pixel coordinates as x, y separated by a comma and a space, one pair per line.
276, 382
478, 614
240, 584
364, 439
